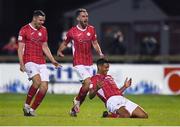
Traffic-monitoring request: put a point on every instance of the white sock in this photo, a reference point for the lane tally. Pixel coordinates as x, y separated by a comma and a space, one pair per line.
32, 110
26, 105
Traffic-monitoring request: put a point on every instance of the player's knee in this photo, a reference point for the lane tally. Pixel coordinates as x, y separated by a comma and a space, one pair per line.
87, 83
143, 115
44, 88
37, 82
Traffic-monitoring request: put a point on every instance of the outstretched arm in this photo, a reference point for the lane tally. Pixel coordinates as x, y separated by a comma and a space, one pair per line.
93, 91
127, 83
62, 47
47, 52
97, 48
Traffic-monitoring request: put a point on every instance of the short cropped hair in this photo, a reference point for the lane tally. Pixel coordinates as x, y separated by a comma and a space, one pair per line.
102, 61
38, 13
78, 11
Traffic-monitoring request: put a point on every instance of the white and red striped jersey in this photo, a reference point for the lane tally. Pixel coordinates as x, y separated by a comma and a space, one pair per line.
109, 88
33, 40
81, 44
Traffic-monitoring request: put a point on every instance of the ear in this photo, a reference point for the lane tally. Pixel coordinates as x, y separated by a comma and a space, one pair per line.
99, 67
77, 18
34, 18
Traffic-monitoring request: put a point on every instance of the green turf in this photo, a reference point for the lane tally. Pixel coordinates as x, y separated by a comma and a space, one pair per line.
162, 110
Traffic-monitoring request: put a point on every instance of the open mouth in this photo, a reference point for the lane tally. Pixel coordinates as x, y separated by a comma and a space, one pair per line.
85, 22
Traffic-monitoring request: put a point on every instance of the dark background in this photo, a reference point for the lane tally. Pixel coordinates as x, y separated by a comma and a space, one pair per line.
16, 13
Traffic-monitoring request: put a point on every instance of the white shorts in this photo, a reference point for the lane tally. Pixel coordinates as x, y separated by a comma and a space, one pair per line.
84, 71
115, 102
32, 69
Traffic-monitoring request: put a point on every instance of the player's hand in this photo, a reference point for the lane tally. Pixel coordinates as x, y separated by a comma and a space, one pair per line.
101, 55
56, 64
59, 53
99, 85
127, 82
22, 67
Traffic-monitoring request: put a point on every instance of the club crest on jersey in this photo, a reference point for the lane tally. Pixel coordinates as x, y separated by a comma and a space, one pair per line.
40, 34
88, 34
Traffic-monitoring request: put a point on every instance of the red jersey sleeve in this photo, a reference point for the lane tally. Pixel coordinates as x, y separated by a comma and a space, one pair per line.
93, 84
22, 35
68, 37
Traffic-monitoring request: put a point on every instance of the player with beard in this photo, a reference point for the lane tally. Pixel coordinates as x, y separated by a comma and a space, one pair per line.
32, 45
83, 38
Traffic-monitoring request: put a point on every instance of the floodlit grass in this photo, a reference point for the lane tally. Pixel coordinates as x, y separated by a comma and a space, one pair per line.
162, 110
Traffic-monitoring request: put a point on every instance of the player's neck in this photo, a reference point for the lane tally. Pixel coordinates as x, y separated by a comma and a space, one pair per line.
33, 25
81, 27
100, 73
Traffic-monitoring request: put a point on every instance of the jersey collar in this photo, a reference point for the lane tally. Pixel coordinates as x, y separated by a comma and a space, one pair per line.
80, 28
32, 26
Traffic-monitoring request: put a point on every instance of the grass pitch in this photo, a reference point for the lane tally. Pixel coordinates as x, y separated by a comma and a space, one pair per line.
162, 110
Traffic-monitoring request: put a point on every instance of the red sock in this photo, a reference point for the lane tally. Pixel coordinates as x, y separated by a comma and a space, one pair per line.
32, 91
113, 115
110, 115
38, 99
82, 94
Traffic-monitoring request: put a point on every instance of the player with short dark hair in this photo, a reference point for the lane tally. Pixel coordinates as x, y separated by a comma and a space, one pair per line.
83, 37
39, 13
31, 49
105, 88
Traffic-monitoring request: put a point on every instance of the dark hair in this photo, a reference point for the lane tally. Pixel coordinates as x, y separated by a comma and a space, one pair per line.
38, 13
102, 61
78, 11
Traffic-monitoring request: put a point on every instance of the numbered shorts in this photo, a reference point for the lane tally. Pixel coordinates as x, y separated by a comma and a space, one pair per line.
115, 102
33, 69
84, 71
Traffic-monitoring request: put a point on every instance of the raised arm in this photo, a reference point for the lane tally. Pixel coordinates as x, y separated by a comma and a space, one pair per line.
47, 52
97, 48
127, 83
